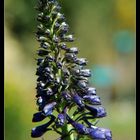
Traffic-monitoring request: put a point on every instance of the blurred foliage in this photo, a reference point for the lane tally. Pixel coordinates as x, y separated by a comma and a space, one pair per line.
105, 35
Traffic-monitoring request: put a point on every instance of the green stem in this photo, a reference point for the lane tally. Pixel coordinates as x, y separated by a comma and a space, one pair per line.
66, 130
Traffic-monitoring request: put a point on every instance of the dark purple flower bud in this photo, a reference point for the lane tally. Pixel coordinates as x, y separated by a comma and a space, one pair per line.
57, 8
100, 133
47, 18
40, 91
39, 70
42, 39
68, 38
85, 73
65, 82
51, 1
81, 61
40, 16
49, 91
63, 28
66, 96
81, 129
57, 81
73, 50
82, 84
63, 46
37, 117
78, 100
93, 99
42, 52
50, 78
90, 91
97, 112
40, 84
57, 25
45, 45
66, 73
47, 70
39, 61
54, 14
61, 119
48, 109
49, 58
59, 65
39, 100
48, 32
70, 56
60, 16
55, 39
40, 27
41, 78
40, 130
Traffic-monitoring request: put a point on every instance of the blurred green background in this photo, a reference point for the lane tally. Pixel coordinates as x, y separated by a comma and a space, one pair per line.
105, 35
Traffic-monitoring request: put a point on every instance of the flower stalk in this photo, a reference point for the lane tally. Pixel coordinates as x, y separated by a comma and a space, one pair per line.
62, 83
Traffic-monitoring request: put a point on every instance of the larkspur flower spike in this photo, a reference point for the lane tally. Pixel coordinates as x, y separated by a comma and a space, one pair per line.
63, 92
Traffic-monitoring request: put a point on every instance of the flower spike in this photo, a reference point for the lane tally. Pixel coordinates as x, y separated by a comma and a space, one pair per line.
63, 93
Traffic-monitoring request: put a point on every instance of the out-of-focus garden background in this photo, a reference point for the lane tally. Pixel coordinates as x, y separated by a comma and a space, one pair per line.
105, 32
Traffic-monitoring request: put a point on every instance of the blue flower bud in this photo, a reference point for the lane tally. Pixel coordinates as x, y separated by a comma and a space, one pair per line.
68, 38
78, 100
49, 91
85, 73
50, 78
66, 96
42, 52
59, 65
40, 27
55, 39
48, 109
93, 99
82, 84
39, 100
37, 117
73, 50
40, 130
49, 58
41, 78
81, 61
56, 25
80, 128
66, 73
61, 119
48, 32
60, 17
90, 91
47, 18
63, 28
39, 61
39, 70
97, 112
41, 85
57, 81
70, 56
42, 39
100, 133
47, 70
63, 46
45, 45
